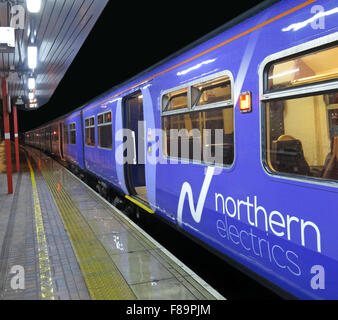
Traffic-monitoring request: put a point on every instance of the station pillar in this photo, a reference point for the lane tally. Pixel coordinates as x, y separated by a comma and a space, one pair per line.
16, 138
7, 137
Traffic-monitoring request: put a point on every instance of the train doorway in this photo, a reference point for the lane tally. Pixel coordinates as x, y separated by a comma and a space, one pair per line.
135, 171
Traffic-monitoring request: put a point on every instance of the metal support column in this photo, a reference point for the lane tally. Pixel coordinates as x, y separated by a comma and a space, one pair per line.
7, 137
16, 135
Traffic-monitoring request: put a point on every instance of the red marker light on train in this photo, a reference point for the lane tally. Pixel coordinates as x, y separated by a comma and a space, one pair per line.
245, 102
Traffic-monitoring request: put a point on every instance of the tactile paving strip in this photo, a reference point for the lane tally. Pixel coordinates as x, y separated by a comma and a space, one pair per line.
102, 277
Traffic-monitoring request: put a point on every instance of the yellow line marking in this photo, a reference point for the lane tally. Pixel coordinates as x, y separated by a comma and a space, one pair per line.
140, 204
47, 291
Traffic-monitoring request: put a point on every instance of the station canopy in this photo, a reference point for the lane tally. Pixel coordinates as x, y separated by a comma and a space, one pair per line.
54, 31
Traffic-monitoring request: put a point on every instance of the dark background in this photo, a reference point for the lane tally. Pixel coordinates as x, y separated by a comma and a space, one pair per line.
128, 38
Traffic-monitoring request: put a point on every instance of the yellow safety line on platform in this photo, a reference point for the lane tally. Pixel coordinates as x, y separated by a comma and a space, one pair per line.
140, 204
47, 291
103, 279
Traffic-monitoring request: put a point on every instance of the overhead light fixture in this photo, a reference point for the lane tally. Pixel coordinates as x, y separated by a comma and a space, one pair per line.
31, 95
33, 103
31, 83
33, 6
32, 52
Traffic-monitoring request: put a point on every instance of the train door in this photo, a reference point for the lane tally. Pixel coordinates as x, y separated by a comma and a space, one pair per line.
135, 170
61, 139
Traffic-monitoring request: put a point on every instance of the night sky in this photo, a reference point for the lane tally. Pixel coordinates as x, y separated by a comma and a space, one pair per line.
127, 39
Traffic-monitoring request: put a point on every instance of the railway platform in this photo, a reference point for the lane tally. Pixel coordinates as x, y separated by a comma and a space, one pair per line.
60, 240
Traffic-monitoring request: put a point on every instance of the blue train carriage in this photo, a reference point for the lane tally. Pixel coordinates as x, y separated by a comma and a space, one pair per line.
72, 140
99, 127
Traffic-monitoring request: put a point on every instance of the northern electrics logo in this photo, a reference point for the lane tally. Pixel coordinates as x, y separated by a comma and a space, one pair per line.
258, 224
186, 190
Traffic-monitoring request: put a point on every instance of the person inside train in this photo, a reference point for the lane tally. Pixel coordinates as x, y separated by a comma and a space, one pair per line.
330, 170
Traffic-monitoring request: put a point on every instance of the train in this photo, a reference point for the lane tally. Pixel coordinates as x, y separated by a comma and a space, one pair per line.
233, 141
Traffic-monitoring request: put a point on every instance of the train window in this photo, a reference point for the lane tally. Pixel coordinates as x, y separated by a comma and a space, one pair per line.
72, 133
204, 130
175, 100
105, 130
206, 135
100, 119
305, 69
65, 132
212, 91
90, 131
302, 129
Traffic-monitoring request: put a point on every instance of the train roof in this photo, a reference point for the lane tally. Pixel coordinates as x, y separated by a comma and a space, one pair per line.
228, 25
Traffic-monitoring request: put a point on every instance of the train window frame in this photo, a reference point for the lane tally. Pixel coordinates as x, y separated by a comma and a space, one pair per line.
89, 127
102, 125
192, 108
302, 91
70, 132
186, 92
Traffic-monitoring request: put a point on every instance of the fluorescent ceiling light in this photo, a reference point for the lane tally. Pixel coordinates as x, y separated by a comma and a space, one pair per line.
33, 105
31, 83
33, 6
31, 96
32, 52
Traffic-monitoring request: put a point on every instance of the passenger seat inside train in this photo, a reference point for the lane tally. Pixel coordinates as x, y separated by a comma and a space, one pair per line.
289, 156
